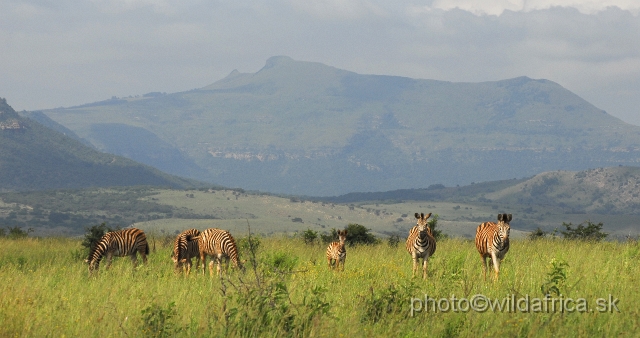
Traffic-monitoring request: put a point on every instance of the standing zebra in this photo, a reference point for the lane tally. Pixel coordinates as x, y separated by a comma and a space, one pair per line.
125, 242
184, 248
218, 244
336, 252
492, 241
421, 243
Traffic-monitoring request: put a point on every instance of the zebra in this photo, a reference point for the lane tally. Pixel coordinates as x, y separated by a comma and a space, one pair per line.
492, 241
184, 248
336, 252
125, 242
218, 244
421, 243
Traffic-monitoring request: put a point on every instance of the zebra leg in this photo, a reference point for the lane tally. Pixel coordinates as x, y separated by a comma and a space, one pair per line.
134, 260
109, 255
415, 266
343, 263
219, 267
496, 265
203, 259
484, 266
329, 261
424, 267
188, 266
211, 262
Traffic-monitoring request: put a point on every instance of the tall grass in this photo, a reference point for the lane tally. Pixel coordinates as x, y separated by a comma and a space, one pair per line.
45, 290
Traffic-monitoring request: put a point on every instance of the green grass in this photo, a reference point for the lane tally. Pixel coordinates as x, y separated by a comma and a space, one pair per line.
45, 291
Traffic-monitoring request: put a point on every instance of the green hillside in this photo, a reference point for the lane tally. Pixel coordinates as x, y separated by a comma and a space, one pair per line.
546, 201
34, 157
307, 128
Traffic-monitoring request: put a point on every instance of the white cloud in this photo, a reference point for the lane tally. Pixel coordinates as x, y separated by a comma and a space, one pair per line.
69, 52
497, 7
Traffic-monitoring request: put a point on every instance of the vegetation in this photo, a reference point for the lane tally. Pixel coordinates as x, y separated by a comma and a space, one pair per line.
34, 157
591, 232
46, 291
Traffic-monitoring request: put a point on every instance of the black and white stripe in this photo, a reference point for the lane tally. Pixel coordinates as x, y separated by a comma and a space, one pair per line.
185, 247
126, 242
421, 244
219, 244
492, 241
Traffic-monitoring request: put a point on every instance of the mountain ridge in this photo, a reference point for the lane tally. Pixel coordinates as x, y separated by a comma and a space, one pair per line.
34, 157
306, 128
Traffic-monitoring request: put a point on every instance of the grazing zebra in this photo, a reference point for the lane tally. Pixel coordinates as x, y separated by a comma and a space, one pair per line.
184, 248
336, 252
421, 243
218, 244
125, 242
492, 241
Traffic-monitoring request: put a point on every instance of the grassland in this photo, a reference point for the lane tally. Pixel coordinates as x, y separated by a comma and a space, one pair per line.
45, 290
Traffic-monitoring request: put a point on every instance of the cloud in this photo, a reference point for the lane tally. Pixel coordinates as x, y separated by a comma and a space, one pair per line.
497, 7
69, 52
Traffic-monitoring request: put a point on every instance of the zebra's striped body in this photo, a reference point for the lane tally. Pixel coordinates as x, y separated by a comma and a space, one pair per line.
126, 242
492, 241
336, 252
421, 243
185, 248
219, 244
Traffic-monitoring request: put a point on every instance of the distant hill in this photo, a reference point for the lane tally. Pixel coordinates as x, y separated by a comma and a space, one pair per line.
604, 191
34, 157
310, 129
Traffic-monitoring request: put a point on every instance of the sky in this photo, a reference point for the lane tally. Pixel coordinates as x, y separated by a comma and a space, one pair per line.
62, 53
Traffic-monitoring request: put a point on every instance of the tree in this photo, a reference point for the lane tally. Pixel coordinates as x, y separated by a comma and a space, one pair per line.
309, 236
94, 234
536, 234
433, 224
591, 232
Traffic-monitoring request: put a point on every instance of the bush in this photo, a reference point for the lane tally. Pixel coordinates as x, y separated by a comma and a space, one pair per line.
94, 234
536, 234
309, 236
433, 224
591, 232
359, 234
17, 233
394, 241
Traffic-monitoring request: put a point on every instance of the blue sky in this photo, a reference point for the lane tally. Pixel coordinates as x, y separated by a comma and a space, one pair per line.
70, 52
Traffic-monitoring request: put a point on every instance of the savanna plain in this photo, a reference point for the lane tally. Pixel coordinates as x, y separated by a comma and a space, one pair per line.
287, 289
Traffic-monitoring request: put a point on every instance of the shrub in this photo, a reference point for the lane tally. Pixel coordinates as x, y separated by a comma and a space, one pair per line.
309, 236
157, 321
433, 224
591, 232
17, 233
93, 235
359, 234
394, 241
536, 234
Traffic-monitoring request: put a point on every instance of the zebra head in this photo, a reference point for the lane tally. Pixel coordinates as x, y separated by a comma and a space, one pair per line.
503, 226
342, 236
422, 224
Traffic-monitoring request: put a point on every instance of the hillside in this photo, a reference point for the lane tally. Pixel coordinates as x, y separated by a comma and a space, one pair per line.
306, 128
34, 157
547, 200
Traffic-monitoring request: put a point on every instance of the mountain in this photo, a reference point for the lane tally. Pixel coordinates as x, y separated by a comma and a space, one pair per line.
602, 191
34, 157
310, 129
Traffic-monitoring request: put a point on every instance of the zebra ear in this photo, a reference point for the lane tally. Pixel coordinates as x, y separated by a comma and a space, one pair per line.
509, 218
500, 217
417, 216
421, 215
428, 215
